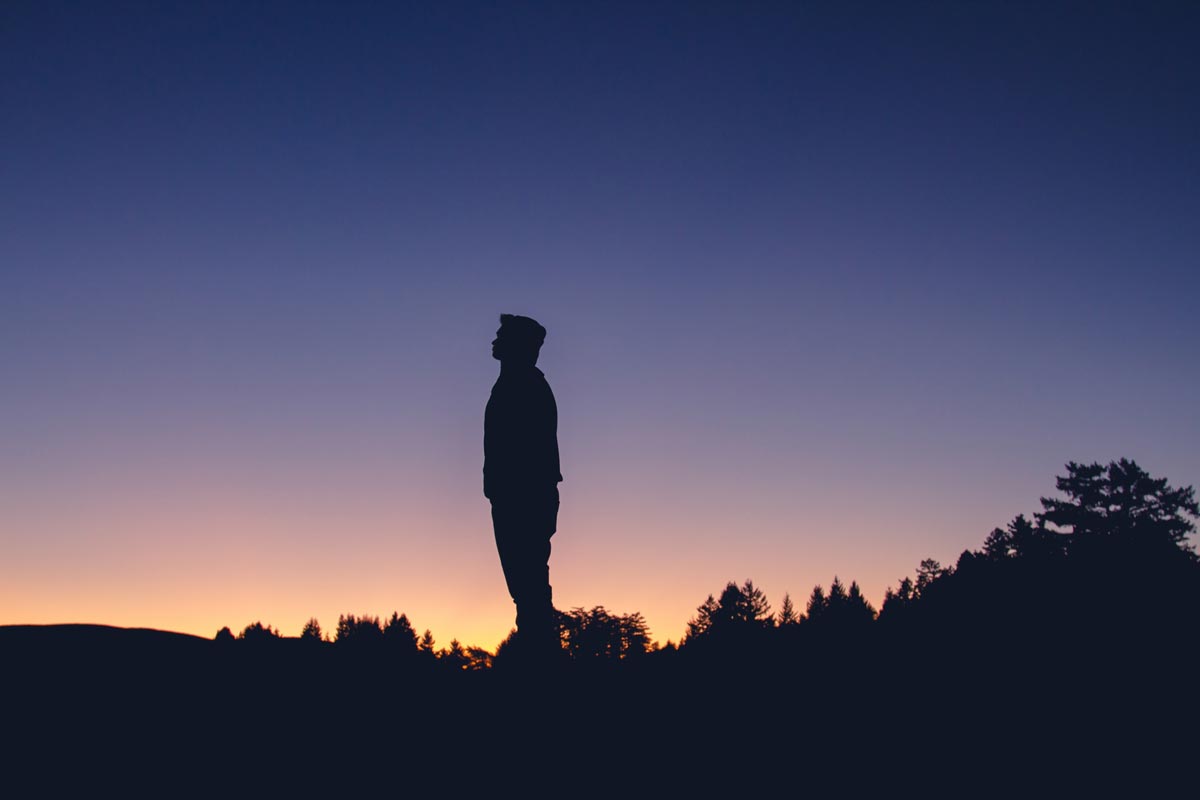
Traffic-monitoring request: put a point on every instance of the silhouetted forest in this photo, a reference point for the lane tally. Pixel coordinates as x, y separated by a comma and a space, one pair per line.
1109, 560
1067, 638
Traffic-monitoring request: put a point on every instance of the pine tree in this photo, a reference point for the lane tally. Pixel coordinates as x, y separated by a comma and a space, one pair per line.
755, 608
635, 635
1120, 499
837, 596
454, 657
896, 603
312, 631
703, 621
399, 633
358, 630
859, 609
817, 603
787, 612
928, 571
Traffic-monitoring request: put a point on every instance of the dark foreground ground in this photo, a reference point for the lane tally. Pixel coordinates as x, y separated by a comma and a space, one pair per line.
153, 713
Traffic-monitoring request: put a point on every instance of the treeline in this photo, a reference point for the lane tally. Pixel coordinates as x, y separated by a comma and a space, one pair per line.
1109, 561
587, 635
1107, 566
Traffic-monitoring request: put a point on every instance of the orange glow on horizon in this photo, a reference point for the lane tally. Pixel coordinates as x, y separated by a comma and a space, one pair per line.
235, 563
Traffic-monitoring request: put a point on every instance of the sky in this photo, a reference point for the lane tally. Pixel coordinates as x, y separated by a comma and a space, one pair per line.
830, 288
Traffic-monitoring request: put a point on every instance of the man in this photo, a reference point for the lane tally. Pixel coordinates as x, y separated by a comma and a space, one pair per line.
521, 476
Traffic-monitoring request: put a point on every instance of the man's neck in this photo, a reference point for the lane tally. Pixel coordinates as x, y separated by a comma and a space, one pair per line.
516, 367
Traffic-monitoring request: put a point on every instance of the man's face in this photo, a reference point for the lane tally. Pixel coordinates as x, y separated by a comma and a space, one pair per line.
498, 345
506, 348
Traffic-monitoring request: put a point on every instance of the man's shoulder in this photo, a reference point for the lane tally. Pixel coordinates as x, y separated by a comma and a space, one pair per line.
520, 389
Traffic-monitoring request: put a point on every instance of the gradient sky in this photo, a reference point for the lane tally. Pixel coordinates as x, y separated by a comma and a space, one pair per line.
830, 288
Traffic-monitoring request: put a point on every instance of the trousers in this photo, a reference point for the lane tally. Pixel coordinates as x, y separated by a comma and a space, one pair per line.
523, 525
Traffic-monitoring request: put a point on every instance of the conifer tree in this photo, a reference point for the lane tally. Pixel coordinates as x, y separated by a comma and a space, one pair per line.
787, 612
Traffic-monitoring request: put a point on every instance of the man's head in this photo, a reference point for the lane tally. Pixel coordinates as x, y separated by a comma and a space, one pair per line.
518, 340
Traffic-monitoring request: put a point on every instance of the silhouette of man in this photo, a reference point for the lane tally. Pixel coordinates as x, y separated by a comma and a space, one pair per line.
521, 476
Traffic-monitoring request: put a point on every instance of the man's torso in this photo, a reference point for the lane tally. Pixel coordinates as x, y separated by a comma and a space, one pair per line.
520, 440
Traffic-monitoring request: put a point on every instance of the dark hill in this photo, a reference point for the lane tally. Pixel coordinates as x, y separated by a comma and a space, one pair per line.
23, 638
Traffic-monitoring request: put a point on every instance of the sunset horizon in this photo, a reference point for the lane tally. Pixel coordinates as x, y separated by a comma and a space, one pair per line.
828, 289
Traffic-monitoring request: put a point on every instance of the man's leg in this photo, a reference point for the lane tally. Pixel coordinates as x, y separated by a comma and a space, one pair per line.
523, 542
533, 596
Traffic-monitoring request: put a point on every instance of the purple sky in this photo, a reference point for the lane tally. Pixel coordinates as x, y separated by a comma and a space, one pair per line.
829, 289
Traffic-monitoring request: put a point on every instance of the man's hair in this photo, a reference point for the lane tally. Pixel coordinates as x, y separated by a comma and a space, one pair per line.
524, 330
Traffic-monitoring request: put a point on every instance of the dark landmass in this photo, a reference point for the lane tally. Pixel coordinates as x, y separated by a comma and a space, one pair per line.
1059, 658
76, 637
135, 708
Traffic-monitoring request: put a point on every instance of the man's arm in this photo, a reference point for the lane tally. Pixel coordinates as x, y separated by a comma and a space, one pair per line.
553, 466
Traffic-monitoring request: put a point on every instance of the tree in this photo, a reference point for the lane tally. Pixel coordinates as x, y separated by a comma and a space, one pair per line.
399, 634
358, 631
858, 610
816, 604
702, 623
257, 632
426, 643
599, 635
742, 606
998, 545
787, 612
738, 610
1021, 539
635, 635
905, 592
1120, 500
454, 657
928, 571
1115, 526
754, 608
837, 595
841, 607
477, 658
895, 603
224, 636
312, 631
589, 634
